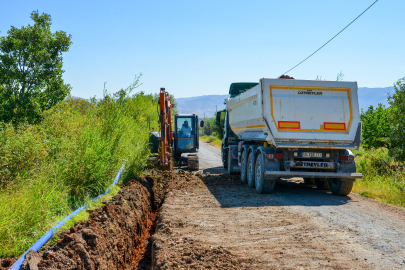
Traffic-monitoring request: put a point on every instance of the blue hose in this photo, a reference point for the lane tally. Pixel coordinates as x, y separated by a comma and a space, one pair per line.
48, 234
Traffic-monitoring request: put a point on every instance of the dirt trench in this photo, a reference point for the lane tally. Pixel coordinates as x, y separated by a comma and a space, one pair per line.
115, 236
121, 234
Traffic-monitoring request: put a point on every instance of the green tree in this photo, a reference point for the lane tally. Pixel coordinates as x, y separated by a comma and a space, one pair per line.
376, 127
211, 128
397, 117
31, 70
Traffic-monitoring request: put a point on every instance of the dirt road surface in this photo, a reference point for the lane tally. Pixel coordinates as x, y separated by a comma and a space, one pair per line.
210, 159
296, 227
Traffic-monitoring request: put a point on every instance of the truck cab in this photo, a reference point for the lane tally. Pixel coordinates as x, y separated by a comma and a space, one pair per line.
228, 154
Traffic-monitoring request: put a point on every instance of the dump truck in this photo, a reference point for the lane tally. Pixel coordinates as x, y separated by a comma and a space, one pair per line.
285, 128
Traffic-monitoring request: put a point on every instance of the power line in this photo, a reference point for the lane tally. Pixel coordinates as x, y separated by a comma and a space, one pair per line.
330, 39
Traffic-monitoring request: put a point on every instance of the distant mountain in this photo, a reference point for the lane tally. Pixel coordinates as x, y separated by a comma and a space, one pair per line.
201, 104
206, 104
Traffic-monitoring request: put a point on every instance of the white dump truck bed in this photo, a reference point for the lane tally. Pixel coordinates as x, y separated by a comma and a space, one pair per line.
291, 113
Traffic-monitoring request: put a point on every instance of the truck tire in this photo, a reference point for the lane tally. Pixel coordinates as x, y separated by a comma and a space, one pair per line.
243, 169
339, 187
321, 184
309, 181
263, 185
251, 170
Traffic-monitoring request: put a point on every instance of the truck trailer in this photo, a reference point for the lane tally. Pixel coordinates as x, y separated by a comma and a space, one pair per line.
284, 128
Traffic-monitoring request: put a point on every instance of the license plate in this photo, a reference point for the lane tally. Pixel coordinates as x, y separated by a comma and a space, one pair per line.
312, 164
311, 154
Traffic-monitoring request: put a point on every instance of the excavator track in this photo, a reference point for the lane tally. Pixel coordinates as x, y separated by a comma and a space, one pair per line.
192, 162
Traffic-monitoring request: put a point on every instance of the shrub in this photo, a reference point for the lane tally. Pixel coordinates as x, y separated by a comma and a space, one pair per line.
383, 177
51, 168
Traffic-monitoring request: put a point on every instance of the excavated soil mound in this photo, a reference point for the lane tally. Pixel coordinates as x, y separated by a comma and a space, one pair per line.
114, 236
6, 263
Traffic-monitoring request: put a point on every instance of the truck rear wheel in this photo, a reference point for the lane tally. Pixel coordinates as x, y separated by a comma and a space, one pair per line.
339, 187
322, 184
263, 185
251, 170
243, 169
309, 181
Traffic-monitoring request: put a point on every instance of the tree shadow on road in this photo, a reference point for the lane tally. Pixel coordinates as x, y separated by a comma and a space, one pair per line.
231, 192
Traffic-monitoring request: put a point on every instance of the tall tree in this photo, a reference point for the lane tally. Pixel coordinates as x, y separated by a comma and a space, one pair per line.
377, 127
31, 70
397, 102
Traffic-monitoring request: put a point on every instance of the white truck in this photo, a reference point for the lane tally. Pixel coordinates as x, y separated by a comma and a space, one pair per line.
284, 128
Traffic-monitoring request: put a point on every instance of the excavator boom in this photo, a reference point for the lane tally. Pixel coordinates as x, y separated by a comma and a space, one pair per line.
166, 131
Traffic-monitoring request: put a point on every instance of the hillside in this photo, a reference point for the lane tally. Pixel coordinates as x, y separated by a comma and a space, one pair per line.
201, 104
206, 104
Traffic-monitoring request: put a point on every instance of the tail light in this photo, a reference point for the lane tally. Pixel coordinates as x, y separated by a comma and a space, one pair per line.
346, 158
274, 156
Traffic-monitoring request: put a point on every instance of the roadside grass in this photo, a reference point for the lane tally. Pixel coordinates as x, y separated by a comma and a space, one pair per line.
50, 169
383, 177
215, 141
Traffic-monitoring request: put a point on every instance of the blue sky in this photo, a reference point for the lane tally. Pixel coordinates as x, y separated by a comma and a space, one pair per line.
197, 48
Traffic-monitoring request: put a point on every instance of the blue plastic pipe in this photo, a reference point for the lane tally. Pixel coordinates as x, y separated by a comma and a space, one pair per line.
48, 234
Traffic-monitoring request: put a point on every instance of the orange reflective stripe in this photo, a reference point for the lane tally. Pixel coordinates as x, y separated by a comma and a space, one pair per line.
289, 124
334, 126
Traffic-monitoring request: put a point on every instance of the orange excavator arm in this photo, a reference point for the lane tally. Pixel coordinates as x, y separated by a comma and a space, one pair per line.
166, 131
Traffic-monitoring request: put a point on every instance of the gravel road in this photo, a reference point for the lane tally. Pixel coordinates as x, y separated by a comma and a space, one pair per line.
296, 226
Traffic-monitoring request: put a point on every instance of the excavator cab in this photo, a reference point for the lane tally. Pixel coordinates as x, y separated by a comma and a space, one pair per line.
186, 133
186, 138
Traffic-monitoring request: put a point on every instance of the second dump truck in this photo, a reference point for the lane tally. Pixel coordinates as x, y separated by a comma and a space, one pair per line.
284, 128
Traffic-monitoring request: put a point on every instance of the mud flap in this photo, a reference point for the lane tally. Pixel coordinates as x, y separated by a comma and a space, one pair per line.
233, 166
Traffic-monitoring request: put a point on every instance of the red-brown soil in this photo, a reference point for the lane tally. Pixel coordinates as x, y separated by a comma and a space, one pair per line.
113, 237
6, 263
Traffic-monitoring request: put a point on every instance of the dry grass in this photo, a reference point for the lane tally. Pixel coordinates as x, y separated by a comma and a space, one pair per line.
212, 140
383, 177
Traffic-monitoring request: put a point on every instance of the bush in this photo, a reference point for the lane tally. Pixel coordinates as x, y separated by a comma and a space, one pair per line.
50, 169
22, 151
212, 129
383, 177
